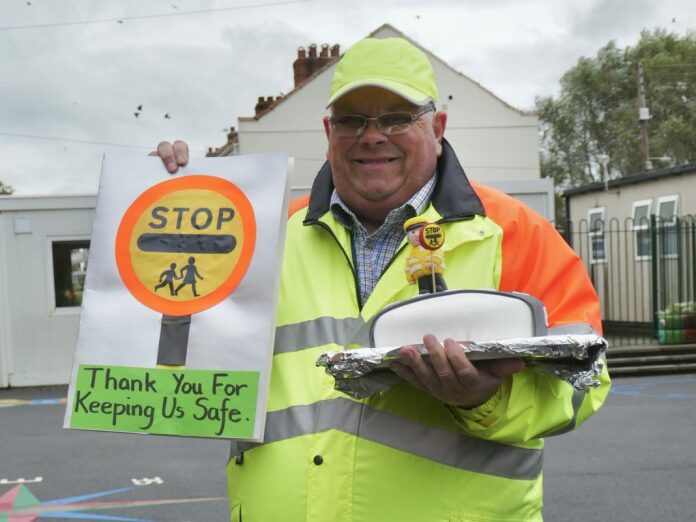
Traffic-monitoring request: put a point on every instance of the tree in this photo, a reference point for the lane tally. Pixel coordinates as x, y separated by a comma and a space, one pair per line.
5, 189
594, 121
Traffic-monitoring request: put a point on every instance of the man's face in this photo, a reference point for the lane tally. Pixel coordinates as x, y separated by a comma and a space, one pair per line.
375, 173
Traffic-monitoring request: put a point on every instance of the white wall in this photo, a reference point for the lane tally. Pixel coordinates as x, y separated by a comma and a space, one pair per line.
36, 339
537, 193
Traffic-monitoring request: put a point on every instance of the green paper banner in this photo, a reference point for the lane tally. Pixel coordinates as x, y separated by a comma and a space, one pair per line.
196, 403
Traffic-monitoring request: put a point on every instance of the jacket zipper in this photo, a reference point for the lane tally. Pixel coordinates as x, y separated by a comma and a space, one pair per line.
356, 283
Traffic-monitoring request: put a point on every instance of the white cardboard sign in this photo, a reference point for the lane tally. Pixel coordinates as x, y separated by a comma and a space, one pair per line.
178, 311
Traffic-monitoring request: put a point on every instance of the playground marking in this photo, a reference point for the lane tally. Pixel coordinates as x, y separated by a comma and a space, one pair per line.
9, 403
645, 388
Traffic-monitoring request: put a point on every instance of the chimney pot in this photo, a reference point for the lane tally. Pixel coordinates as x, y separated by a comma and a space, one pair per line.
306, 65
263, 104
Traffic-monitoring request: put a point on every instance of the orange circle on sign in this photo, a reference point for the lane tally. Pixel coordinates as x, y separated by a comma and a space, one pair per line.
188, 188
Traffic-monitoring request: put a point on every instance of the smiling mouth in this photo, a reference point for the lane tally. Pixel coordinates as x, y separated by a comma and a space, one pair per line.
375, 161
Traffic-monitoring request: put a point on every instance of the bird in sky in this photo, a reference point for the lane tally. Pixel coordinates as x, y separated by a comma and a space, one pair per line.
167, 116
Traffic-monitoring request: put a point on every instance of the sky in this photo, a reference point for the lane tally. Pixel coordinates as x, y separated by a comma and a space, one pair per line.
74, 72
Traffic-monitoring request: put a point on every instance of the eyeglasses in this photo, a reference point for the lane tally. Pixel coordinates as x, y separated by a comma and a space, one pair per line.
389, 123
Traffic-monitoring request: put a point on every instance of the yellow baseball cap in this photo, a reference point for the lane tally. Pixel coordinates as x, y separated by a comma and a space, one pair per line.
393, 64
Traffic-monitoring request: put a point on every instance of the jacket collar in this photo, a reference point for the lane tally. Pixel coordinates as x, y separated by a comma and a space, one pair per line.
453, 197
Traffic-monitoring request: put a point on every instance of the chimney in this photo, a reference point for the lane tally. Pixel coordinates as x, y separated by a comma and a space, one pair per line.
262, 104
233, 141
305, 66
299, 66
231, 148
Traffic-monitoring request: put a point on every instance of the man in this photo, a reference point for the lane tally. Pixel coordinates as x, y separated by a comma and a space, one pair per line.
453, 441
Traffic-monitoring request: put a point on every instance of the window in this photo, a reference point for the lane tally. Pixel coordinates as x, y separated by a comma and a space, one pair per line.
69, 269
667, 208
597, 244
641, 228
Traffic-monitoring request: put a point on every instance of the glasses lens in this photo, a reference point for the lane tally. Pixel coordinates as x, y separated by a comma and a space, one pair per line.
394, 122
351, 125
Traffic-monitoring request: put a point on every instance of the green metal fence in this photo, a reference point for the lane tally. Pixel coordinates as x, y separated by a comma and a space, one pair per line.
645, 276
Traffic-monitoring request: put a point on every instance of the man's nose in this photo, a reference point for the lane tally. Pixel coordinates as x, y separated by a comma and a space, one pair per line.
371, 134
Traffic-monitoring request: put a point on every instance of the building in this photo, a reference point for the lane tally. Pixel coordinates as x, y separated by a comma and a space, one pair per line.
665, 192
44, 243
637, 237
496, 143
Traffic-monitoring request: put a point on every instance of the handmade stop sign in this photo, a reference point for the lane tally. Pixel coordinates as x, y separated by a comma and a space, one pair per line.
179, 310
185, 244
431, 236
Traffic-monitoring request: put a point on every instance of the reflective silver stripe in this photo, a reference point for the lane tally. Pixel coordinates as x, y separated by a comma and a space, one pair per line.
578, 396
575, 328
323, 330
400, 433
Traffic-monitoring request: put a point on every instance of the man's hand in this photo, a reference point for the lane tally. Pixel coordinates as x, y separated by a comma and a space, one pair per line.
449, 376
173, 155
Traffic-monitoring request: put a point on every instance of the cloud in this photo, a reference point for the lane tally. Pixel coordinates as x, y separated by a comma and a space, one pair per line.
90, 92
619, 20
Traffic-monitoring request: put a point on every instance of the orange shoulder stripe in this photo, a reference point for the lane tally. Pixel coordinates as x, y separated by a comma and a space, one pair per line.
298, 204
537, 261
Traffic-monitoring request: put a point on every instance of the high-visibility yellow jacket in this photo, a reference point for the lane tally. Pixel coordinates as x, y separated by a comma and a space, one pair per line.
404, 456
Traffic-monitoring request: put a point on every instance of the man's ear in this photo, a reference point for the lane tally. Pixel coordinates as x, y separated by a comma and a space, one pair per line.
327, 126
439, 125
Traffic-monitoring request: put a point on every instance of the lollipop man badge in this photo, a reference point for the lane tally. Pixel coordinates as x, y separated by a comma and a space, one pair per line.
425, 263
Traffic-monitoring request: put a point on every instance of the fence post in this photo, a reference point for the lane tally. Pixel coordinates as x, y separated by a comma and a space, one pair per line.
692, 224
568, 232
680, 259
655, 279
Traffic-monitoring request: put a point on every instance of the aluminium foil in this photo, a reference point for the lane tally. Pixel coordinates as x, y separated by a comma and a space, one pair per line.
576, 359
